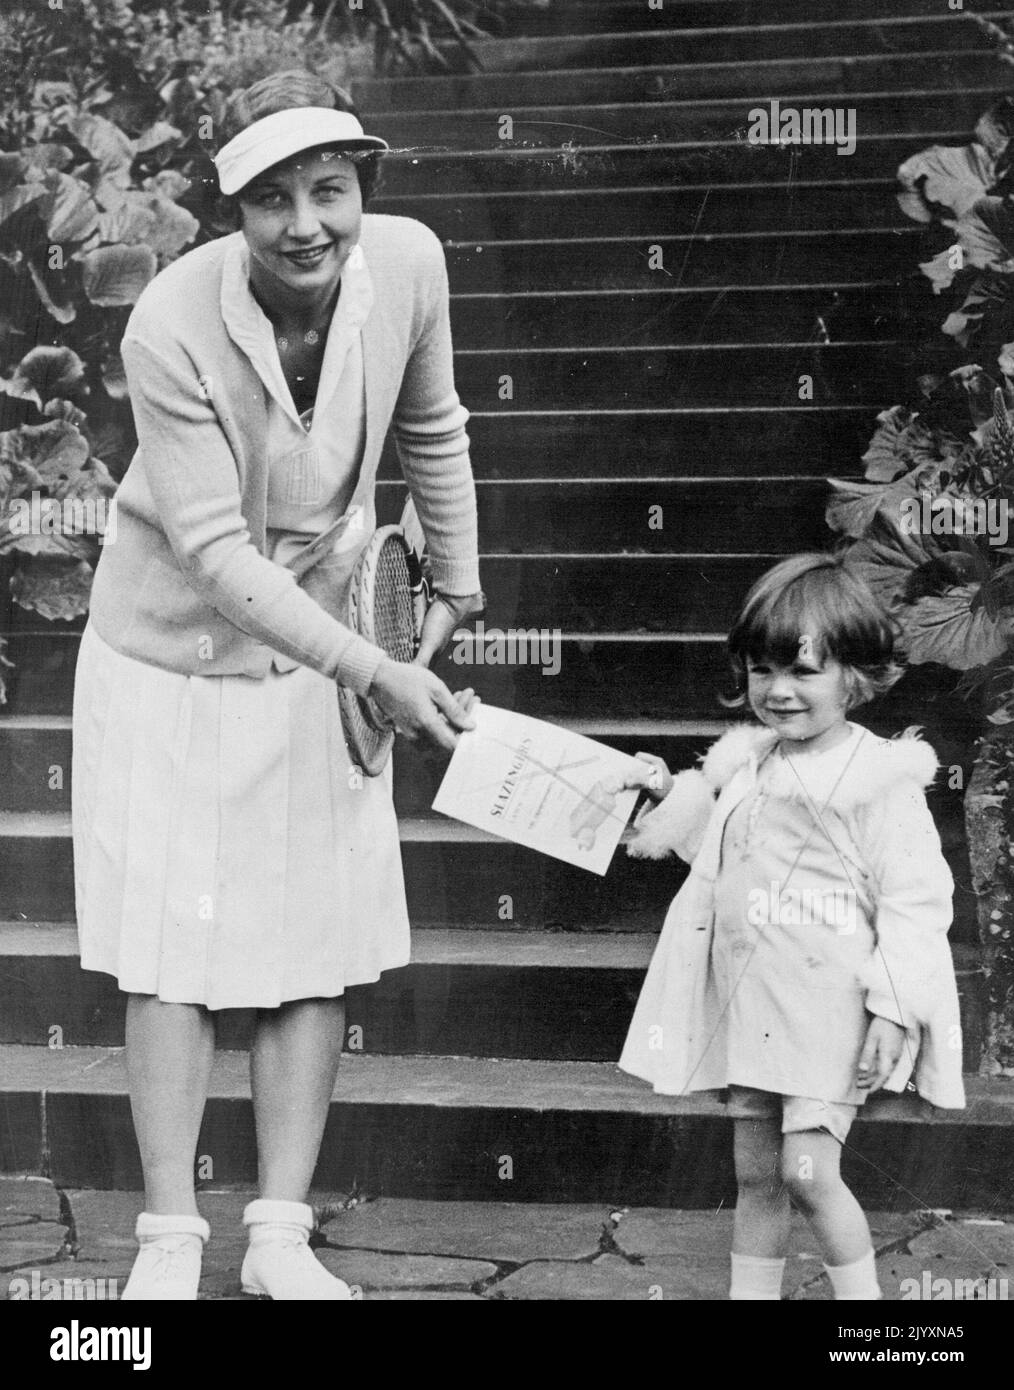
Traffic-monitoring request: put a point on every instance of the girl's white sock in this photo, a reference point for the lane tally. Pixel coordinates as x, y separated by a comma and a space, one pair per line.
857, 1280
756, 1277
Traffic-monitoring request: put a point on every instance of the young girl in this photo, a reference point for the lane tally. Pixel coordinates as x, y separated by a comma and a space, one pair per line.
804, 964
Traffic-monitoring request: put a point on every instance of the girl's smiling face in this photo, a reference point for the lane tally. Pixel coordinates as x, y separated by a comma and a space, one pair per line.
302, 219
805, 702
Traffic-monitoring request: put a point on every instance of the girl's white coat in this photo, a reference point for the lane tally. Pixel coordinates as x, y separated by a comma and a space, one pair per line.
676, 1038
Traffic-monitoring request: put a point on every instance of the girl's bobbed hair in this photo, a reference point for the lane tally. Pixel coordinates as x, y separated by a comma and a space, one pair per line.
812, 604
280, 91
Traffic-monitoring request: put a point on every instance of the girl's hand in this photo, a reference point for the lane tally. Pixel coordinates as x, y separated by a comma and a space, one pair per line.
444, 614
420, 705
656, 779
881, 1053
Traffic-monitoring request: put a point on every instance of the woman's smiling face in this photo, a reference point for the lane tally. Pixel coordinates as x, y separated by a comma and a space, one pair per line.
302, 219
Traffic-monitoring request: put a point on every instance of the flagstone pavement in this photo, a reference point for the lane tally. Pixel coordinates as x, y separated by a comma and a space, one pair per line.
397, 1249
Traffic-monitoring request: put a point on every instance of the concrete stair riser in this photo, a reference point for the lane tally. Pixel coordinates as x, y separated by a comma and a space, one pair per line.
845, 74
694, 373
441, 1128
450, 878
29, 756
632, 212
747, 443
889, 113
648, 318
619, 165
945, 31
682, 675
523, 995
616, 16
783, 257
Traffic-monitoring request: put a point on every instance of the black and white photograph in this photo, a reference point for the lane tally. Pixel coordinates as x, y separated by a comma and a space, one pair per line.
507, 662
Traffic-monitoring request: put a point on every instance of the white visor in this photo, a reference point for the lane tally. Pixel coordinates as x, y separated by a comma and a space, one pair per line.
274, 138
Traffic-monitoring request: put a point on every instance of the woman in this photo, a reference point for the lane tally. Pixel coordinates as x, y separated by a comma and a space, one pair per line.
227, 852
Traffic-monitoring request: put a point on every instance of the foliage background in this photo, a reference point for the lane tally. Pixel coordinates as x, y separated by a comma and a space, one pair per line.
108, 114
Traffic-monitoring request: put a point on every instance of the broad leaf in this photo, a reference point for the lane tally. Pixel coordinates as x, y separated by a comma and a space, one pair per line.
56, 588
994, 128
107, 145
161, 133
951, 178
69, 210
883, 458
17, 198
13, 168
48, 154
131, 222
987, 293
114, 378
45, 372
944, 629
169, 182
114, 276
855, 506
63, 313
886, 560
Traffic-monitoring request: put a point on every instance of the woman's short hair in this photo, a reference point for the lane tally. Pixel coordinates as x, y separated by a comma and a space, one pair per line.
812, 603
280, 91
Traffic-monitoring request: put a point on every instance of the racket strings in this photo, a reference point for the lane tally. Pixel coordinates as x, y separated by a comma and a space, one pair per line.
393, 604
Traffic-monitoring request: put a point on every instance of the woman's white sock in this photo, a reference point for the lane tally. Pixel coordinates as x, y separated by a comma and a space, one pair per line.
756, 1277
857, 1280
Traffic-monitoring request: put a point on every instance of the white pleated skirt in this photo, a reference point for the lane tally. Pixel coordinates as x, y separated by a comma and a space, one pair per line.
226, 851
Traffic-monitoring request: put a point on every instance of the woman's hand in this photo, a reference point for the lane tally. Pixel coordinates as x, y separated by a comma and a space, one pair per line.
420, 705
444, 614
881, 1053
655, 779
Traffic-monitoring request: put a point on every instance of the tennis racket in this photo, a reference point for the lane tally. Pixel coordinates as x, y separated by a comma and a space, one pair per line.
387, 600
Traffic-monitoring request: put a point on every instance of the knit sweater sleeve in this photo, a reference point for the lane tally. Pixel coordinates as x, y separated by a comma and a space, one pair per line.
914, 890
429, 433
194, 482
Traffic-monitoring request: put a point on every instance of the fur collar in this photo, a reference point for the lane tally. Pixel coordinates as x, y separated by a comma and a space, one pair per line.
852, 774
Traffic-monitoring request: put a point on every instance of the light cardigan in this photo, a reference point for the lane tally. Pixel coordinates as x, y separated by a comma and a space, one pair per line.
186, 585
877, 814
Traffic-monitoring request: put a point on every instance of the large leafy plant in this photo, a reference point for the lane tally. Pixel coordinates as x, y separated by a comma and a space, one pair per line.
932, 527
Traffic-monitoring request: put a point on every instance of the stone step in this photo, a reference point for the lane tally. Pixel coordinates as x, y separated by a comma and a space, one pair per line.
612, 164
775, 77
613, 515
562, 996
652, 210
443, 1127
672, 673
35, 752
618, 16
778, 256
944, 31
641, 318
886, 113
454, 873
602, 378
729, 441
